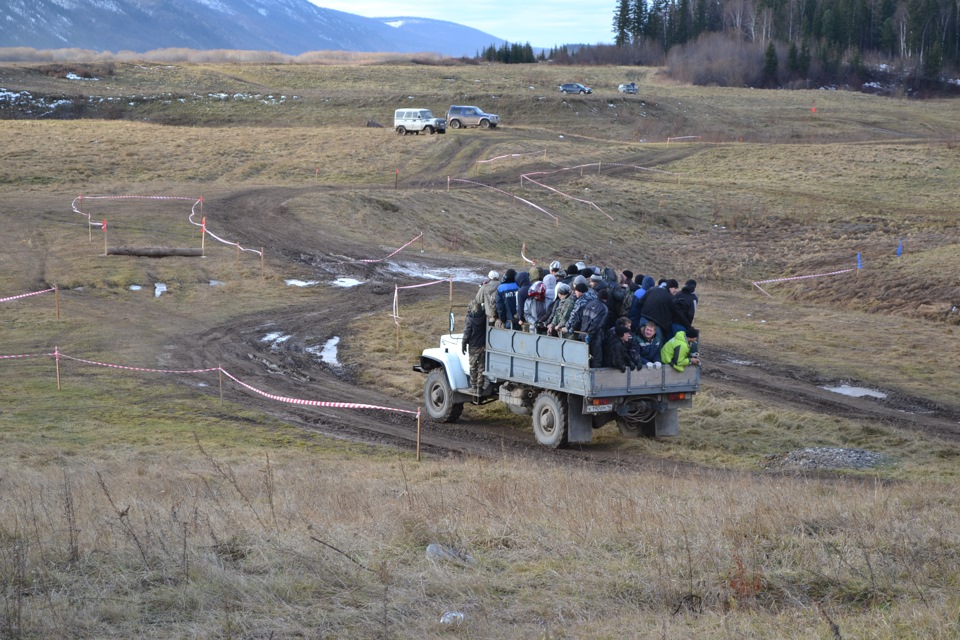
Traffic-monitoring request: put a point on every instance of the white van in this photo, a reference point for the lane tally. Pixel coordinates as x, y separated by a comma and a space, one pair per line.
416, 120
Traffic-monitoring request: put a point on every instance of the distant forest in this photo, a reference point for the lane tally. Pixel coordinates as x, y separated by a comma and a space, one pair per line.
776, 43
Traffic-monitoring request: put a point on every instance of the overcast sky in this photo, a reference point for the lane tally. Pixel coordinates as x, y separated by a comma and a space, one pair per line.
542, 24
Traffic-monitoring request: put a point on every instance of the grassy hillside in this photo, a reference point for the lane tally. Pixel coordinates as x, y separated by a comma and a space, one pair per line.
138, 504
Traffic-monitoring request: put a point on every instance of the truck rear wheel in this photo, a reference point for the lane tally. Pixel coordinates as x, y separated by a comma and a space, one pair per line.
438, 397
550, 420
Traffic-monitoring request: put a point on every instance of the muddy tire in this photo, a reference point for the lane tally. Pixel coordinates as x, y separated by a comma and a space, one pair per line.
402, 131
484, 124
438, 397
550, 420
428, 129
454, 124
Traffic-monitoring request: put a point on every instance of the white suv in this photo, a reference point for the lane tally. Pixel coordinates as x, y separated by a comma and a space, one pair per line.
467, 116
416, 120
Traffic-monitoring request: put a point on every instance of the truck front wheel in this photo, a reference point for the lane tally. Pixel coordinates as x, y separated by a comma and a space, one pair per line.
550, 420
438, 397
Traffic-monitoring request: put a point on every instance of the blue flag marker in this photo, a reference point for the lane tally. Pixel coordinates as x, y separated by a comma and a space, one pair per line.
900, 249
859, 261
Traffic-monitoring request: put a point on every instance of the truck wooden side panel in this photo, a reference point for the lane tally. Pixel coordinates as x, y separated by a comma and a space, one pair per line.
562, 365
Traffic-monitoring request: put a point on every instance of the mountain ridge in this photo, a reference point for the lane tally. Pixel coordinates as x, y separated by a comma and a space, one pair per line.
286, 26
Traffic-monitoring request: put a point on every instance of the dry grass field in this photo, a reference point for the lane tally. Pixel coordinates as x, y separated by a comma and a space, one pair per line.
141, 504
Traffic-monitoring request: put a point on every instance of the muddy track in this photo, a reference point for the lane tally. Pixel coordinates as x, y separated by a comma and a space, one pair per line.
785, 386
289, 370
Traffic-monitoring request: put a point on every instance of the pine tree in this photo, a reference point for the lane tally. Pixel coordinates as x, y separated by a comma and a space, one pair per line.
770, 64
621, 23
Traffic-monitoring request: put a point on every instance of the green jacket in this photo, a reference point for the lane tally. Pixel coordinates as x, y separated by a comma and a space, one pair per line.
676, 352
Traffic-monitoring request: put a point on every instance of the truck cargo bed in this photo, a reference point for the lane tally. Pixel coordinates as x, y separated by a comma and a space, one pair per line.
562, 364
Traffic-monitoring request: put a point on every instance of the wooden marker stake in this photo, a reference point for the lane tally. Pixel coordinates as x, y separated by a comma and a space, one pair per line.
418, 434
56, 297
56, 355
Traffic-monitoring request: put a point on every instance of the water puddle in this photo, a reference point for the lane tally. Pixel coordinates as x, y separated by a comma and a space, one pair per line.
158, 288
346, 282
745, 363
327, 353
414, 270
856, 392
275, 338
216, 283
301, 283
135, 287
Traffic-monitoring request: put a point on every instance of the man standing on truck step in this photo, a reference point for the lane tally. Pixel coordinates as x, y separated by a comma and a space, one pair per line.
475, 337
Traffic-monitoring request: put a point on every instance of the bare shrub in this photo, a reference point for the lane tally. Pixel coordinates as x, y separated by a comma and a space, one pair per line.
716, 59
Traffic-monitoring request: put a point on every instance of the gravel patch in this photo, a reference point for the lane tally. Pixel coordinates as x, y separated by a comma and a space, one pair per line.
826, 458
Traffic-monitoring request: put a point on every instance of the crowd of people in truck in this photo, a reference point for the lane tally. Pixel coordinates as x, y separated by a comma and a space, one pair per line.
630, 321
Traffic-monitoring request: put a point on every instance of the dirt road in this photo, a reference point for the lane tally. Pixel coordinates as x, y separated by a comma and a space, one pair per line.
287, 368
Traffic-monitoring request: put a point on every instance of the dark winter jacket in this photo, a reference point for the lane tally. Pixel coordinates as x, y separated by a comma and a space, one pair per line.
684, 307
649, 351
638, 296
475, 333
523, 284
592, 318
658, 306
619, 354
578, 305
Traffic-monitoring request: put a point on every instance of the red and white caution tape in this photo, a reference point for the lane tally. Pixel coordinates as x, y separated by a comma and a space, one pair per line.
386, 257
514, 155
814, 275
193, 211
203, 229
27, 295
26, 355
487, 186
523, 248
78, 203
57, 354
565, 195
126, 368
396, 297
314, 403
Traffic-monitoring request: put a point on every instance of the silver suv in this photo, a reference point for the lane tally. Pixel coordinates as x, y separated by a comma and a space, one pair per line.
467, 116
574, 87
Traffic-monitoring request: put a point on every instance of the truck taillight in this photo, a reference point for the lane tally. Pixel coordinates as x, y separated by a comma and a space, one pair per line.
600, 401
677, 396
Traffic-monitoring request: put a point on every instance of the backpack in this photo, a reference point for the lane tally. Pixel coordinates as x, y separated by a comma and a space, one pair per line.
623, 299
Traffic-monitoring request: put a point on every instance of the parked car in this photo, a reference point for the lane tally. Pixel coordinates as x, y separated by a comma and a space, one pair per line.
574, 87
467, 116
627, 88
416, 120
